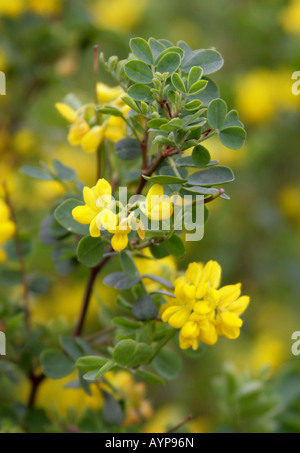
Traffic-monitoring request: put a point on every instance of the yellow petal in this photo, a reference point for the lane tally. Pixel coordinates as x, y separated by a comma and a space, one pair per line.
193, 273
107, 220
94, 230
7, 230
108, 94
208, 335
103, 188
203, 308
212, 274
93, 139
179, 318
190, 329
229, 294
66, 111
89, 197
83, 214
240, 305
119, 242
201, 290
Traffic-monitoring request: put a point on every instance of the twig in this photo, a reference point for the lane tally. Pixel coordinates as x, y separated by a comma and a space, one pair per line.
20, 256
187, 419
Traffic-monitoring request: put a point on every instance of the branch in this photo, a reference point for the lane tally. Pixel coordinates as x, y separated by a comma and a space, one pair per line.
187, 419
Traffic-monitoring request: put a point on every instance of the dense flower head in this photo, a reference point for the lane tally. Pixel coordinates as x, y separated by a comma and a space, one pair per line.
7, 227
84, 130
201, 309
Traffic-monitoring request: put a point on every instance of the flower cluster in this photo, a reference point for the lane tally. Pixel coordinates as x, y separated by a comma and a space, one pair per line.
203, 311
85, 130
7, 227
100, 212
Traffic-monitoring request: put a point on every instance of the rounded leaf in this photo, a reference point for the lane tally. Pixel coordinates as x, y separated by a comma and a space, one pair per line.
138, 71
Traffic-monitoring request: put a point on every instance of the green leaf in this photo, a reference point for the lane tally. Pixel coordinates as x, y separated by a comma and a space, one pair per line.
200, 156
156, 47
216, 113
160, 179
209, 59
232, 119
198, 87
169, 49
70, 346
172, 125
55, 364
149, 378
167, 363
105, 368
178, 83
169, 63
175, 246
112, 411
233, 137
125, 323
128, 149
140, 92
131, 353
130, 102
128, 264
63, 215
160, 280
159, 251
210, 93
193, 105
90, 251
144, 309
138, 71
89, 363
141, 50
195, 75
156, 123
211, 176
108, 110
63, 172
36, 172
121, 281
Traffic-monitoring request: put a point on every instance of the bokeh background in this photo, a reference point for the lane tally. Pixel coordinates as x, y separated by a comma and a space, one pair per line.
46, 52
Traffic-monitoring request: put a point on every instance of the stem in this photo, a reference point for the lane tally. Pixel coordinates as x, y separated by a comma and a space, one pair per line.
35, 383
174, 167
20, 257
87, 296
162, 343
187, 419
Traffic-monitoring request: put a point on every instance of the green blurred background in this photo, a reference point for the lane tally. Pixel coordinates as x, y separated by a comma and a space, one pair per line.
46, 51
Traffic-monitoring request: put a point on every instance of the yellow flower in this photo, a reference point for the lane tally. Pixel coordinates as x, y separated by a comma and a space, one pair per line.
84, 132
92, 140
157, 206
201, 310
7, 227
12, 8
289, 17
262, 93
66, 111
120, 15
108, 94
44, 7
120, 233
97, 209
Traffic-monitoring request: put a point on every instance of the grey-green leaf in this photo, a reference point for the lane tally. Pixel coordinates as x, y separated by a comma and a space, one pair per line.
128, 149
141, 50
144, 309
90, 251
63, 215
169, 63
211, 176
55, 364
216, 113
233, 137
138, 71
